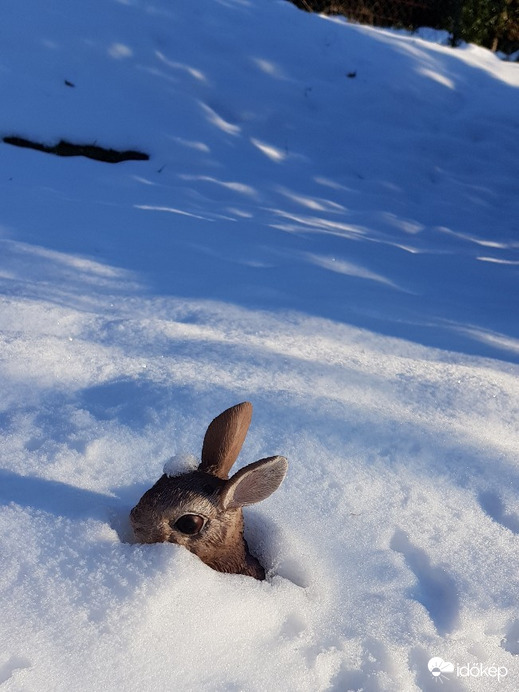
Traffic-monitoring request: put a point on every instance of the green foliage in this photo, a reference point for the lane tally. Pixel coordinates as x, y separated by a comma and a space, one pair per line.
490, 23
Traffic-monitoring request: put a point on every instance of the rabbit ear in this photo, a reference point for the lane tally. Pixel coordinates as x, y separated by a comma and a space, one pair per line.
224, 439
254, 483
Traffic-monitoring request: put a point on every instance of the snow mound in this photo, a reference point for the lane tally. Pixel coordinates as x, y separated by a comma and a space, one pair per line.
183, 462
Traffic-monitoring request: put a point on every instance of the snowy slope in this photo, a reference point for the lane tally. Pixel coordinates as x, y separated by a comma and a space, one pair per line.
327, 226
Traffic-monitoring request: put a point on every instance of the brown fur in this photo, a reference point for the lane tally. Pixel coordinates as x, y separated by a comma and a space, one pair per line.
207, 493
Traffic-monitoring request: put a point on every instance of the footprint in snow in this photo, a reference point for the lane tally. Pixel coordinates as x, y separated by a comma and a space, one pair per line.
13, 664
436, 589
510, 642
492, 504
377, 672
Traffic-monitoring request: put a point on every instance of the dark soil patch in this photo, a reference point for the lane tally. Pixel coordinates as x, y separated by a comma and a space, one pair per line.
91, 151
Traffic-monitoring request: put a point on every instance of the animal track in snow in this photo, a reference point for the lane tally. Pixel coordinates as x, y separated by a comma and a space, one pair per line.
377, 671
9, 668
436, 589
492, 504
510, 642
294, 626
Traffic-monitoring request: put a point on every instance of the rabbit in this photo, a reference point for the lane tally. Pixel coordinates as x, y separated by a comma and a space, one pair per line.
202, 509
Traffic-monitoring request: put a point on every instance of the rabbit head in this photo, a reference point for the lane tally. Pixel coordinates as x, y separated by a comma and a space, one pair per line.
202, 509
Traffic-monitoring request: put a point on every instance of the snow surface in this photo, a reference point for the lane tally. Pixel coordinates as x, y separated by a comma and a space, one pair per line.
327, 227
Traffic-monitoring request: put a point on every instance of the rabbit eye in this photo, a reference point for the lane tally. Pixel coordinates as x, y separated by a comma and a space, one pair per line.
190, 524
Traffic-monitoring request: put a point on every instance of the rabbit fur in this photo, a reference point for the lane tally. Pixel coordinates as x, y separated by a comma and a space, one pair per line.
202, 509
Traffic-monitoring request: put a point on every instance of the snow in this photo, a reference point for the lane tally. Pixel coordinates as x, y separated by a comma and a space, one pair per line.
180, 463
340, 250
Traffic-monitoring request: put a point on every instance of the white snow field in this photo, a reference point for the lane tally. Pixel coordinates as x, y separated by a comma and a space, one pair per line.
328, 227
